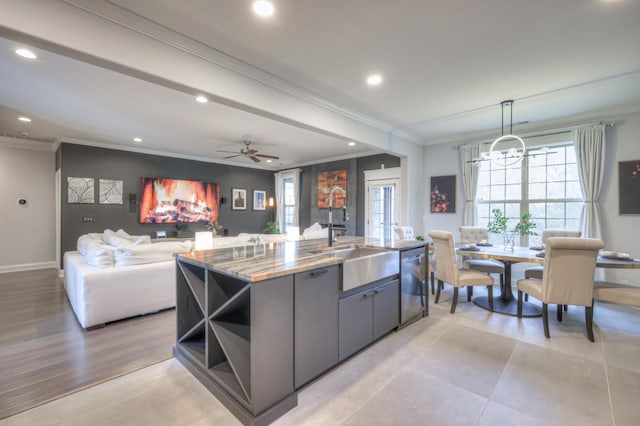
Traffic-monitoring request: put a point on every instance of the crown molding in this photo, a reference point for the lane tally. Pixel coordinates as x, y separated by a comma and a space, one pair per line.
137, 23
170, 154
27, 144
543, 126
161, 153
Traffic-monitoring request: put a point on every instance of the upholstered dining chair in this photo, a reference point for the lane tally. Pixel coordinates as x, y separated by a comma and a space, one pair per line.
624, 294
406, 233
474, 235
448, 271
569, 266
536, 271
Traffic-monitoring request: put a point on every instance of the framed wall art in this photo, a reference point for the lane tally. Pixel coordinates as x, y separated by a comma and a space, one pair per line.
259, 200
443, 194
326, 182
238, 199
629, 187
110, 191
80, 190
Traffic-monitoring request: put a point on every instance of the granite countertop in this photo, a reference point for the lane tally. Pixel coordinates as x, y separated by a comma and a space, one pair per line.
264, 261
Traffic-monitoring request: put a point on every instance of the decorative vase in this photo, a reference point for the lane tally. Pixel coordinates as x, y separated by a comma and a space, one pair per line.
508, 240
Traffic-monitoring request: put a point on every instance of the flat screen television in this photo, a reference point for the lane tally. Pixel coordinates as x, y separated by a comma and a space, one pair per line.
178, 201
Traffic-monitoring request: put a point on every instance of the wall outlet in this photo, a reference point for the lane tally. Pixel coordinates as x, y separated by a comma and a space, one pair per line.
87, 219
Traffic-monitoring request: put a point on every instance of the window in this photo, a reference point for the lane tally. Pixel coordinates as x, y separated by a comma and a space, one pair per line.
287, 198
546, 186
289, 203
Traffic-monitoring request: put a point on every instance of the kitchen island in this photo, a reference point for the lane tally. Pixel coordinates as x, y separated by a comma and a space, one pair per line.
258, 322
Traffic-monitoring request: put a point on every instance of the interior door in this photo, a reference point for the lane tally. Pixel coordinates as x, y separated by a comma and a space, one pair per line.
383, 208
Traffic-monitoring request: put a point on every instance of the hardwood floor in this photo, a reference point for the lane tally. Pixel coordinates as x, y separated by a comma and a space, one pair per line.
45, 354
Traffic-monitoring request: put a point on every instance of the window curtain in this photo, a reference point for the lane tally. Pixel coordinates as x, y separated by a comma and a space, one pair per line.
294, 175
469, 181
279, 200
589, 143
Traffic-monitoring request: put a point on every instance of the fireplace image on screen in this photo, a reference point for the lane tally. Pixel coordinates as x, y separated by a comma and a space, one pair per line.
172, 200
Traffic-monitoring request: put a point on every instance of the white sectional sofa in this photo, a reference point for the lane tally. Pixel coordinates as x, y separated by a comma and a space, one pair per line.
114, 275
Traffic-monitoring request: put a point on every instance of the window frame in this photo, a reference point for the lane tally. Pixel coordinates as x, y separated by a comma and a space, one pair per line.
524, 202
288, 209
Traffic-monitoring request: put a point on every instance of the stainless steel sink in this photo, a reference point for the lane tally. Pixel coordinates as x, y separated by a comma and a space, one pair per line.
363, 265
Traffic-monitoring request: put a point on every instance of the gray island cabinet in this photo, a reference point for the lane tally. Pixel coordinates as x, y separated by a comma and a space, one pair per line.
257, 323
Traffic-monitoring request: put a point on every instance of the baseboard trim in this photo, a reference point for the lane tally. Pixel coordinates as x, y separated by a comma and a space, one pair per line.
28, 266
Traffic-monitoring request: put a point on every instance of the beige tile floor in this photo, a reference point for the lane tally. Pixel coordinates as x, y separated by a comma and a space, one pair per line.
469, 368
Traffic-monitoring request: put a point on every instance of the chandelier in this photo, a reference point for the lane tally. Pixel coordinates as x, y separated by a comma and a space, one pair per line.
513, 155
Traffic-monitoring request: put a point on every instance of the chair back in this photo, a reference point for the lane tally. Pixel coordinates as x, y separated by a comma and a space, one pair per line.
548, 233
406, 232
569, 268
446, 262
473, 234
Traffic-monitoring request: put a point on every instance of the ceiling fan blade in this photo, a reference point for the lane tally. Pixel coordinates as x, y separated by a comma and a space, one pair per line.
251, 151
268, 156
230, 152
255, 159
231, 156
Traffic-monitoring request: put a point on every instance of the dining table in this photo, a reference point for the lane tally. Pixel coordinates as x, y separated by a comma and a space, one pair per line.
506, 303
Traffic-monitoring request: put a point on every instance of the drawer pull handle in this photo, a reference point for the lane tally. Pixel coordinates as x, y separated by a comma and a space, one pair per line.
318, 272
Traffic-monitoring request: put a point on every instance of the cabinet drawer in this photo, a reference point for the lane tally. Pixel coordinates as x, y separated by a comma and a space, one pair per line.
315, 323
386, 308
356, 328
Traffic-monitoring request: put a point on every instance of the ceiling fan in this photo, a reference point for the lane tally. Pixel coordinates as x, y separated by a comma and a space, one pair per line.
248, 152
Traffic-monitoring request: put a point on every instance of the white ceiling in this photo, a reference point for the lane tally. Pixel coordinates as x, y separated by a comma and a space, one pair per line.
446, 67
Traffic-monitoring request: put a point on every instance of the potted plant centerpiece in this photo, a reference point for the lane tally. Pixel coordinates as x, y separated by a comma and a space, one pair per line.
271, 228
499, 225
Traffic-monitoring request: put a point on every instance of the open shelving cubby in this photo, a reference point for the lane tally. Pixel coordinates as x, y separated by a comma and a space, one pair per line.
229, 312
224, 322
191, 324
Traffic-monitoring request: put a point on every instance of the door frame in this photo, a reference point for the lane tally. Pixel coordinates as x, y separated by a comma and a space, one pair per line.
393, 173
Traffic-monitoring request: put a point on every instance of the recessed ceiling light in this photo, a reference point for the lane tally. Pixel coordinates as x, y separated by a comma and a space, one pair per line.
374, 79
26, 53
202, 99
351, 144
25, 119
269, 161
263, 8
137, 139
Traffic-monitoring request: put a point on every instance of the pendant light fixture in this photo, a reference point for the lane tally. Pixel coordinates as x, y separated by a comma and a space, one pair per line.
514, 154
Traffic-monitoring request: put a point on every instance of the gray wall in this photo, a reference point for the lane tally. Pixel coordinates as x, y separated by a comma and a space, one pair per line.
310, 213
100, 163
28, 235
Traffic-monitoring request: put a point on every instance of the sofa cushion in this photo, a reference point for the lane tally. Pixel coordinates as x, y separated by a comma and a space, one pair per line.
137, 239
99, 254
120, 238
125, 242
315, 231
312, 235
149, 253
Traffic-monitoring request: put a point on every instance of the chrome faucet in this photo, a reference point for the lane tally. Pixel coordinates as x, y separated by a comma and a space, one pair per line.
345, 215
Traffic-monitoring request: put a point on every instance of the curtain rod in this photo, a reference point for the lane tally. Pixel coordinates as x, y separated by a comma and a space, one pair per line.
550, 132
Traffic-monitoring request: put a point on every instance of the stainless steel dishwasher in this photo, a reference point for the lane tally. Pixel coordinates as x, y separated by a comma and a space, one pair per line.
413, 295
